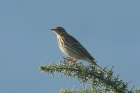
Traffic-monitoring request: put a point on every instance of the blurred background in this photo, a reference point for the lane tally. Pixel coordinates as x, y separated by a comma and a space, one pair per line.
109, 30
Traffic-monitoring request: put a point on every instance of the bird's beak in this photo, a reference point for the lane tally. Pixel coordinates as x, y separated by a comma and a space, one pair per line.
53, 29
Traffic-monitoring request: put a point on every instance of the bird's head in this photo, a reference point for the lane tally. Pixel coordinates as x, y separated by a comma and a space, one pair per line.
59, 30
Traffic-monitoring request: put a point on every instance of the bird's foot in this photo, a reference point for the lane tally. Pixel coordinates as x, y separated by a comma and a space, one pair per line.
71, 60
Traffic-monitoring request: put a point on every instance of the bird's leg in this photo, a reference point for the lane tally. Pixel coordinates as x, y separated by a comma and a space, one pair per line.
70, 60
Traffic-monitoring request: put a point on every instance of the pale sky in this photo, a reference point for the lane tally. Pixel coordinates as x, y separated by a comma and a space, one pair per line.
109, 29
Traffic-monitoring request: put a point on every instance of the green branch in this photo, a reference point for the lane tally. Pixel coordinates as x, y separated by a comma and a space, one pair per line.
89, 74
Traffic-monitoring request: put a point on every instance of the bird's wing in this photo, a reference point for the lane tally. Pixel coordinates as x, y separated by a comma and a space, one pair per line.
79, 47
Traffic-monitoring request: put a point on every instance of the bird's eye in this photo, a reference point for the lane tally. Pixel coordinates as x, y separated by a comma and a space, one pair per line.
59, 29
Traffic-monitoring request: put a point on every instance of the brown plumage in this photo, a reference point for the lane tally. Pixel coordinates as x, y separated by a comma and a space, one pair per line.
71, 47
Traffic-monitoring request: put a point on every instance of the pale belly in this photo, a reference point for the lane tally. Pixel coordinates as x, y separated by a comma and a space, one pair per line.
69, 53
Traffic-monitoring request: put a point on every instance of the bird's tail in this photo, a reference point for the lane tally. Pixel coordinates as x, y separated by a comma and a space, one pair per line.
92, 60
99, 67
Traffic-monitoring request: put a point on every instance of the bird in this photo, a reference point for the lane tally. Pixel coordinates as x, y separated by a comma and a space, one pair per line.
71, 47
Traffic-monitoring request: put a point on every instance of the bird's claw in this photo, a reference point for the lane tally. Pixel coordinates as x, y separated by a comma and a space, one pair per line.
70, 60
